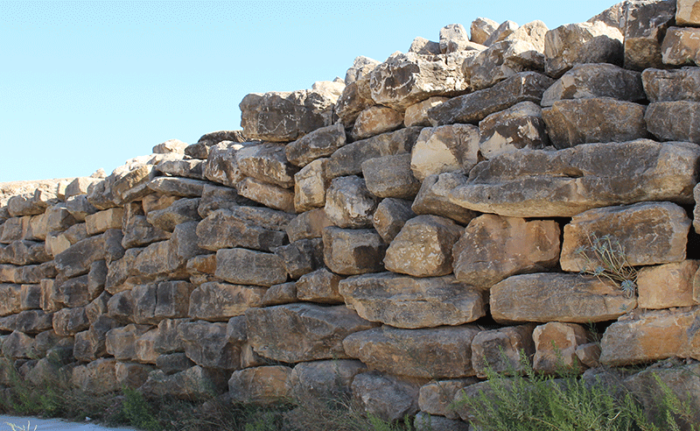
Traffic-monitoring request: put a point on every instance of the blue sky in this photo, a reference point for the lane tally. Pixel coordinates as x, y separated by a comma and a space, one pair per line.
89, 84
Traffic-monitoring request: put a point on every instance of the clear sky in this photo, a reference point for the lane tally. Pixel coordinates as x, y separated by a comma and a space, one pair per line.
89, 84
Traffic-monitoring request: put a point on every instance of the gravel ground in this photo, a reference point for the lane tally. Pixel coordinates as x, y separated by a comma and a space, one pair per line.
51, 425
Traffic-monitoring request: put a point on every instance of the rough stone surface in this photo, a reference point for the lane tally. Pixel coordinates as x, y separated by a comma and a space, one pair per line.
301, 257
320, 143
260, 385
390, 217
221, 165
406, 302
520, 126
310, 185
425, 422
207, 345
436, 397
645, 24
687, 13
556, 345
386, 397
391, 177
481, 29
433, 198
267, 162
322, 380
163, 300
121, 342
97, 377
103, 220
550, 297
355, 98
193, 383
503, 60
180, 211
417, 115
501, 349
670, 85
308, 225
362, 66
172, 186
674, 121
226, 229
279, 294
267, 194
445, 149
493, 248
319, 286
586, 81
241, 266
667, 286
221, 301
680, 46
376, 120
423, 46
353, 251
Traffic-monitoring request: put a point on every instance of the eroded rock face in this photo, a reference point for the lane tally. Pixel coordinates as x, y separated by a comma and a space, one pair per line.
538, 183
221, 165
221, 301
481, 28
324, 379
445, 149
645, 25
207, 345
520, 126
406, 302
267, 162
649, 233
502, 60
361, 67
556, 345
320, 143
260, 385
586, 42
226, 229
433, 198
386, 397
556, 297
417, 115
391, 177
319, 286
671, 121
680, 46
349, 204
493, 248
436, 397
501, 349
376, 120
353, 251
670, 85
267, 194
302, 332
355, 98
585, 81
97, 377
193, 383
242, 266
390, 217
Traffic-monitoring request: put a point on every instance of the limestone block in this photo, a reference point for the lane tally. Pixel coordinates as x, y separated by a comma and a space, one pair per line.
162, 300
445, 149
501, 349
260, 385
361, 66
206, 345
493, 248
353, 251
390, 217
29, 321
268, 163
405, 79
267, 194
225, 229
406, 302
390, 177
31, 203
520, 126
680, 46
425, 422
103, 220
474, 107
119, 271
585, 81
323, 379
194, 383
98, 307
453, 37
349, 204
481, 29
14, 229
650, 233
433, 198
91, 344
672, 85
376, 120
502, 31
72, 292
301, 257
70, 321
204, 264
645, 25
221, 165
556, 345
501, 61
19, 345
310, 185
348, 159
417, 114
436, 397
152, 262
558, 297
10, 299
586, 42
168, 340
355, 98
183, 168
279, 294
79, 207
121, 342
308, 225
674, 121
423, 248
173, 186
131, 375
77, 259
173, 363
302, 332
385, 396
156, 202
319, 286
121, 307
667, 286
539, 183
97, 377
79, 186
319, 143
687, 13
144, 348
285, 116
579, 121
30, 296
221, 301
242, 266
47, 289
180, 211
139, 233
57, 218
650, 336
218, 197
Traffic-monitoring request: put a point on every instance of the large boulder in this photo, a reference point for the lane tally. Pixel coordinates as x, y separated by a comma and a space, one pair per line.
680, 47
267, 162
586, 42
670, 85
323, 380
221, 301
267, 194
349, 204
232, 228
433, 198
208, 345
390, 217
242, 266
445, 149
386, 397
556, 345
503, 350
391, 177
310, 185
520, 126
353, 251
585, 81
260, 385
645, 25
674, 121
376, 120
221, 165
320, 143
667, 286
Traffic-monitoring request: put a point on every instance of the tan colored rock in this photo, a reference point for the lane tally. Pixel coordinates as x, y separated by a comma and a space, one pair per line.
221, 301
268, 163
19, 345
162, 300
391, 177
319, 286
91, 344
260, 385
670, 121
493, 248
77, 259
323, 379
578, 178
183, 168
520, 126
302, 332
423, 46
433, 198
645, 25
10, 299
308, 225
180, 211
445, 149
355, 98
556, 345
387, 397
219, 197
121, 342
73, 292
406, 302
580, 121
30, 296
139, 232
207, 345
585, 81
651, 335
667, 286
404, 79
376, 120
310, 185
680, 46
320, 143
349, 204
650, 233
481, 29
279, 294
589, 354
500, 350
362, 66
226, 229
267, 194
503, 60
194, 383
173, 363
145, 352
301, 257
168, 340
453, 37
97, 377
558, 297
70, 321
436, 397
663, 85
103, 220
505, 29
221, 165
423, 248
184, 187
341, 250
120, 307
417, 114
241, 266
47, 303
687, 12
390, 217
586, 42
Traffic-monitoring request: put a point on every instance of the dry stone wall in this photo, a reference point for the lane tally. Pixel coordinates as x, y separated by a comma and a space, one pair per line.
389, 235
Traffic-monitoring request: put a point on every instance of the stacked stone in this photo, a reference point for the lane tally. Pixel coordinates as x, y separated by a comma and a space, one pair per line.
391, 235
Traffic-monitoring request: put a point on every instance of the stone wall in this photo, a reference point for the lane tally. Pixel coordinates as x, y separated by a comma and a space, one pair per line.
388, 235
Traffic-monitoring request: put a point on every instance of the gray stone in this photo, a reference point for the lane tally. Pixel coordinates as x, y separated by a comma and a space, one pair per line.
426, 422
390, 177
260, 385
221, 301
453, 37
206, 345
585, 81
361, 67
375, 120
320, 143
279, 294
319, 286
390, 217
501, 61
221, 165
505, 29
356, 97
481, 29
436, 397
163, 300
433, 198
139, 233
121, 342
194, 383
387, 397
308, 225
310, 185
672, 85
181, 211
173, 363
70, 321
645, 25
353, 251
674, 121
500, 350
24, 253
241, 266
445, 149
183, 168
518, 127
301, 257
226, 229
324, 380
423, 46
417, 114
267, 194
172, 186
267, 162
349, 204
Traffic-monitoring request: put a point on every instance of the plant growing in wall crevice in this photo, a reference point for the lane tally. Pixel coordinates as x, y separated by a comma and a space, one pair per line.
605, 258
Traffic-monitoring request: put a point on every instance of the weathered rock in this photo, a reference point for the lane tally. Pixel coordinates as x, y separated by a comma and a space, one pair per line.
481, 29
436, 397
361, 67
302, 332
505, 29
217, 197
349, 204
154, 261
79, 207
645, 25
19, 345
267, 194
163, 300
423, 46
376, 120
670, 121
266, 162
172, 186
181, 211
579, 121
168, 340
501, 61
144, 351
538, 183
474, 107
423, 248
97, 377
426, 422
30, 296
385, 396
319, 286
585, 81
356, 97
667, 286
323, 380
139, 232
101, 221
121, 342
301, 257
671, 85
285, 116
24, 253
10, 299
241, 266
47, 289
556, 345
310, 185
611, 16
433, 198
119, 271
391, 177
32, 203
404, 79
520, 126
390, 217
77, 259
91, 344
502, 350
226, 229
173, 363
98, 307
651, 335
194, 383
208, 346
221, 301
72, 292
221, 165
353, 251
260, 385
585, 42
445, 149
548, 297
680, 46
79, 186
407, 302
320, 143
417, 114
121, 306
493, 248
183, 168
648, 233
308, 225
453, 37
279, 294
